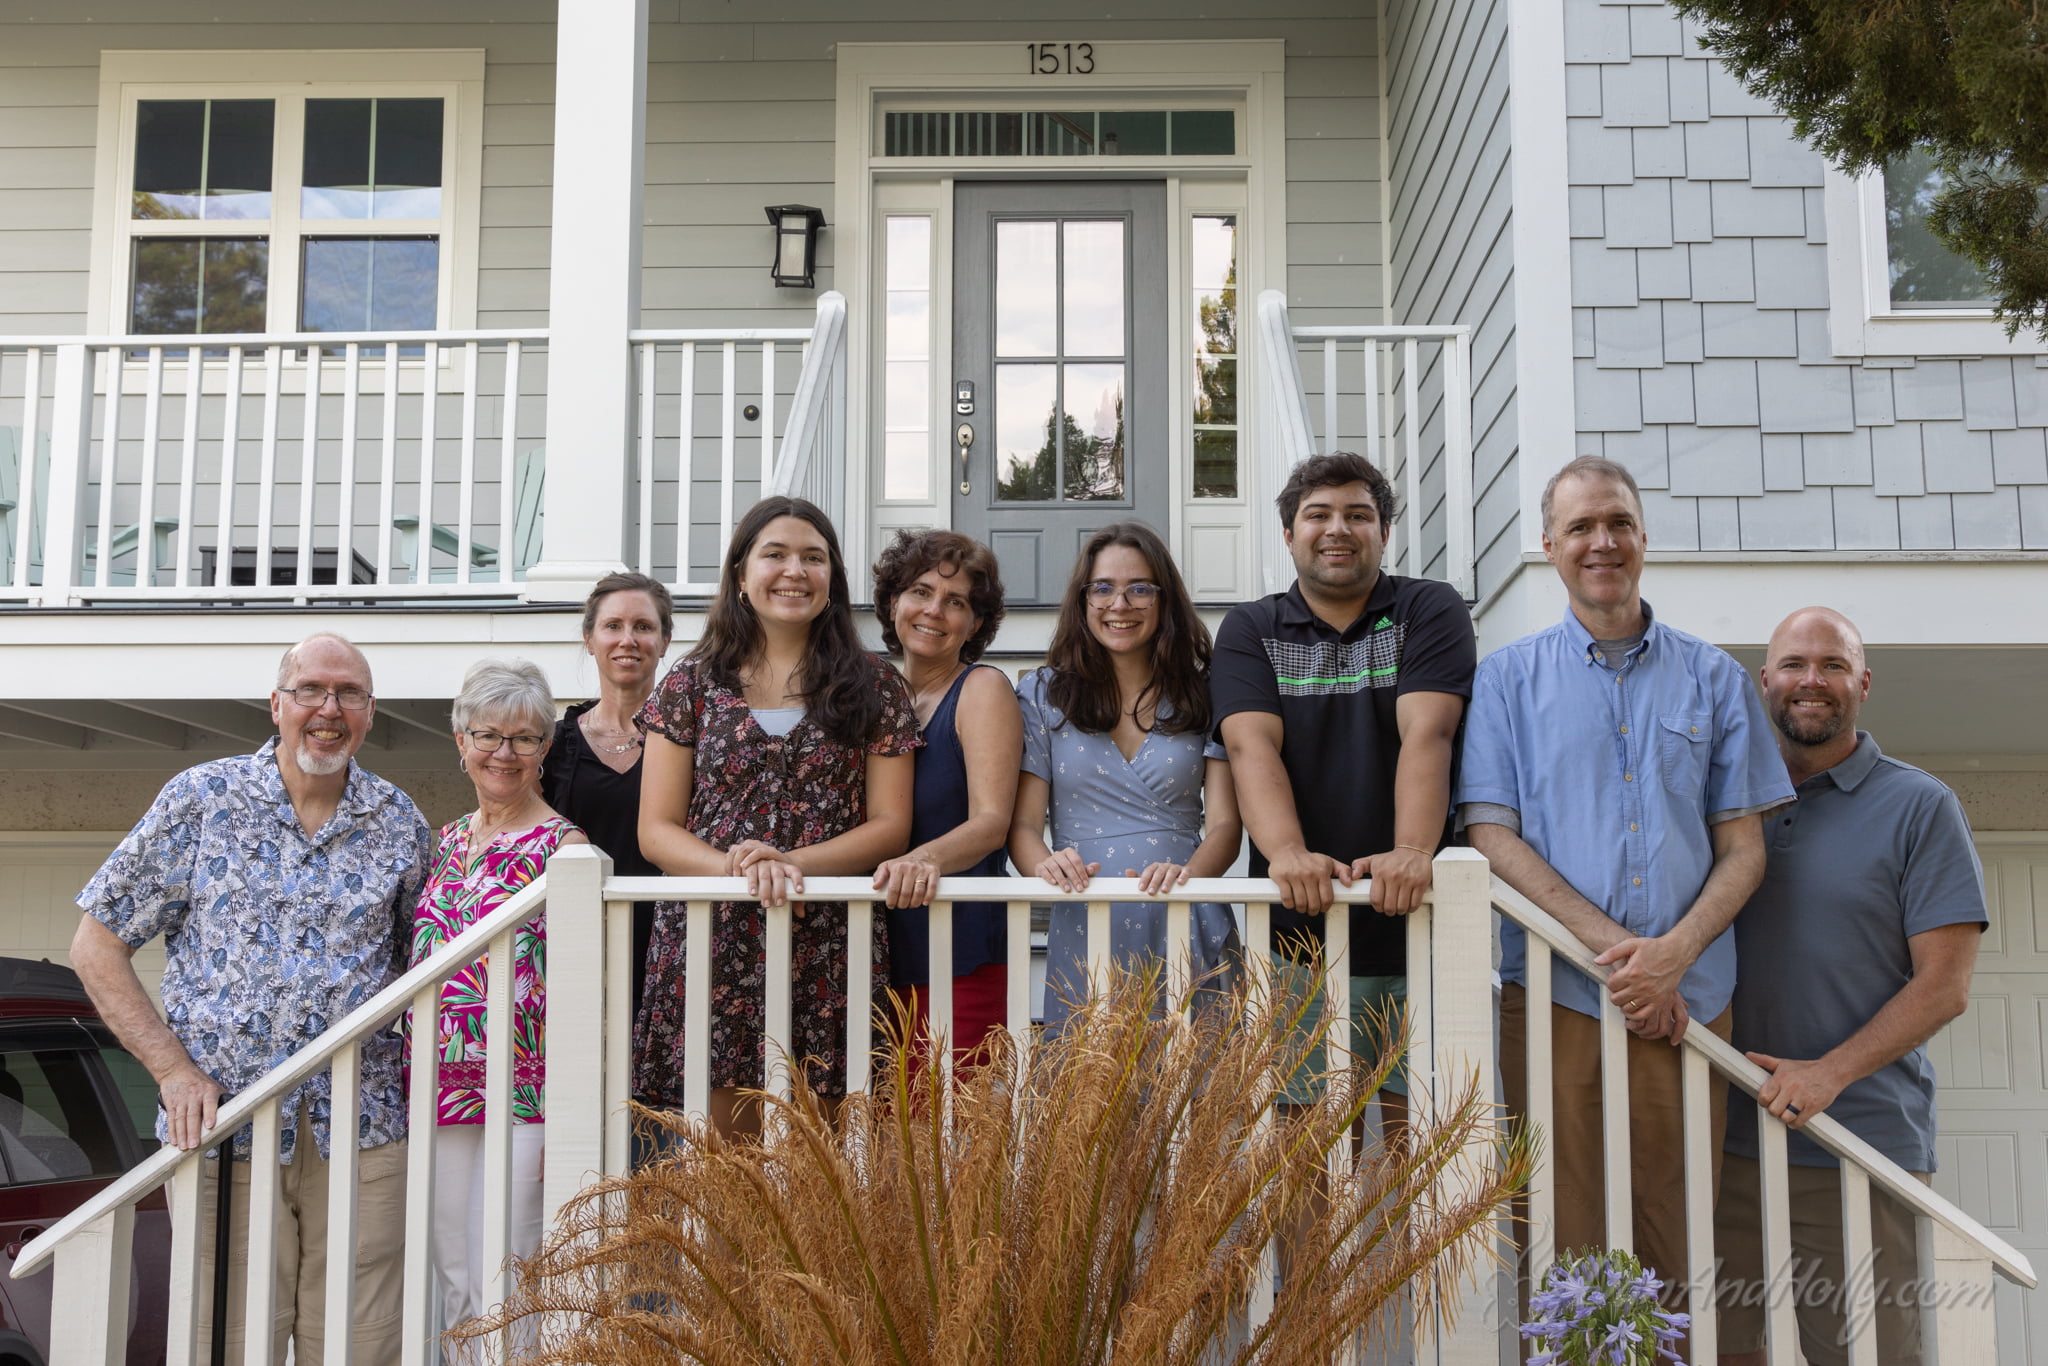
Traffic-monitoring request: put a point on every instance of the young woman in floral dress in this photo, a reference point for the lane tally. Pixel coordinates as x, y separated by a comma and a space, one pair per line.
779, 748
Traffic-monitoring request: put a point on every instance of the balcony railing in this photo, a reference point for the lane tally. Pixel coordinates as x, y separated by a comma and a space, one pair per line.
1452, 1015
324, 466
1399, 396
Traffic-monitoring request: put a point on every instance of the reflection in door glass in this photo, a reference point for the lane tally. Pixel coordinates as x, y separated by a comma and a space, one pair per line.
1026, 433
1214, 261
1025, 294
1092, 272
1093, 433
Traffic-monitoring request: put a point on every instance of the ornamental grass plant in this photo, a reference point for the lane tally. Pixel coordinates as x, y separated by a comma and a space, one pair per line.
1109, 1196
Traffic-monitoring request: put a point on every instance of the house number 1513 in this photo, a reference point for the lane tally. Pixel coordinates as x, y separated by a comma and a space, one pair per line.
1060, 59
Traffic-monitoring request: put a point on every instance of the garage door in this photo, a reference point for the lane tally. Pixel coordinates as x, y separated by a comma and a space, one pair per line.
39, 876
1993, 1069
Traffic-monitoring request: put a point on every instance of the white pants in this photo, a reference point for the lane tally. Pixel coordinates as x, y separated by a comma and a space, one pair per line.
459, 1211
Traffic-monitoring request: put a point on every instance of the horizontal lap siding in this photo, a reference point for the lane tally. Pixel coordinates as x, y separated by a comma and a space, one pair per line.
739, 115
1700, 312
1452, 261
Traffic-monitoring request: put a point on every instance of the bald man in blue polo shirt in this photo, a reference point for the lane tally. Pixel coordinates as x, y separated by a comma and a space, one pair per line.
1614, 773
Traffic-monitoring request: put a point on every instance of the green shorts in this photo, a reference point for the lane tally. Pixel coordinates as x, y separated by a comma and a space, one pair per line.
1374, 1001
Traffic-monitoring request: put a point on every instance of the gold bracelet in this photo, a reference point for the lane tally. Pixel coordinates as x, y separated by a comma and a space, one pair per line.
1424, 852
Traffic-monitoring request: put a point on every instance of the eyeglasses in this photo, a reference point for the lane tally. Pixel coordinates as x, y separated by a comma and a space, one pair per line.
313, 695
1139, 595
488, 741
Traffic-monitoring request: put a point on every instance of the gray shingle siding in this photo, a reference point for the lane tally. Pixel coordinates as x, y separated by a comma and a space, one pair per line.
1700, 330
1450, 252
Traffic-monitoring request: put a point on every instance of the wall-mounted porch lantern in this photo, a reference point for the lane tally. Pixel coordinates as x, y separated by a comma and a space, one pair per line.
796, 244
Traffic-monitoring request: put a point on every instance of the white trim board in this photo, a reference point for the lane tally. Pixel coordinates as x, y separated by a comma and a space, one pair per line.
1740, 601
1540, 184
1249, 74
1861, 319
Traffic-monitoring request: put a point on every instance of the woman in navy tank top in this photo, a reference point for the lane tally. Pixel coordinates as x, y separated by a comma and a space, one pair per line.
939, 597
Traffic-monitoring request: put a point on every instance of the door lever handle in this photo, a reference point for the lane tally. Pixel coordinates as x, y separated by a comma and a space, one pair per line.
964, 435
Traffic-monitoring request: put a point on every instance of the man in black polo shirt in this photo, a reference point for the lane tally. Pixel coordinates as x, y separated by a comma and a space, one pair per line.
1339, 701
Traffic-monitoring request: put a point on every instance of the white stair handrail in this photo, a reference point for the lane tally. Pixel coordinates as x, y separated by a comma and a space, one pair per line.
367, 1019
1823, 1129
808, 405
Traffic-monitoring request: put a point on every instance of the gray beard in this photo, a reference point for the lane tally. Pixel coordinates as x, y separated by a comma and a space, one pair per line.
314, 766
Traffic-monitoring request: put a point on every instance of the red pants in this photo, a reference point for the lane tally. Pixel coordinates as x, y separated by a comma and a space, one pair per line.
980, 1001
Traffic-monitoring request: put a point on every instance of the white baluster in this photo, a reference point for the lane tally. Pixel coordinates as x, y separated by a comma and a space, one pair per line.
188, 474
343, 1177
508, 469
779, 924
145, 493
939, 988
500, 975
420, 1327
1541, 1099
345, 512
728, 395
182, 1290
697, 1011
26, 511
1781, 1314
1697, 1086
1962, 1327
110, 461
309, 465
387, 482
1614, 1126
266, 481
465, 487
620, 970
645, 493
1411, 452
230, 440
259, 1306
91, 1285
860, 991
1859, 1284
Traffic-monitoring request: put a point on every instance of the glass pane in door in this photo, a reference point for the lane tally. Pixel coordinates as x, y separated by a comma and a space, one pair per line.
1092, 432
1026, 269
1026, 432
1092, 288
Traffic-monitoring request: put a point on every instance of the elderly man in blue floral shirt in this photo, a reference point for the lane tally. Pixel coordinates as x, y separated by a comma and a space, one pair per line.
283, 883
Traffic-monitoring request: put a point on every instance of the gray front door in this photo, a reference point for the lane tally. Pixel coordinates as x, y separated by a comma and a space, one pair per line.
1059, 323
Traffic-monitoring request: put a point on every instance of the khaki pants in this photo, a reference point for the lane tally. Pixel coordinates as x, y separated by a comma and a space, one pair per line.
301, 1263
1656, 1132
1817, 1288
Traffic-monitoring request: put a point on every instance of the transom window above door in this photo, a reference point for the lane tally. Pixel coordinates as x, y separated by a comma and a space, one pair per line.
1033, 133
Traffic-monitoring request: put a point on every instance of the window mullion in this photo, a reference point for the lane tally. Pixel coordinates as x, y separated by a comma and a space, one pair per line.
287, 254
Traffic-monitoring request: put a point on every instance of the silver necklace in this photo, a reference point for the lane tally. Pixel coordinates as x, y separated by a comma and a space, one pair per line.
591, 731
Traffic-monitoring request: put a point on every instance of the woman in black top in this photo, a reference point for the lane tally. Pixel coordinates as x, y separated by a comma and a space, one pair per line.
593, 767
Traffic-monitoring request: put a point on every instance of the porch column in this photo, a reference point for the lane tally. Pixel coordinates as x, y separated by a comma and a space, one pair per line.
593, 293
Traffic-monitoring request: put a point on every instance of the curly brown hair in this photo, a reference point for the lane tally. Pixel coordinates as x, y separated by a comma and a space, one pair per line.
914, 554
1083, 680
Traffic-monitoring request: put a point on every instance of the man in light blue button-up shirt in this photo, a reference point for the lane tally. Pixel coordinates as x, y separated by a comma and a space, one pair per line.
1614, 773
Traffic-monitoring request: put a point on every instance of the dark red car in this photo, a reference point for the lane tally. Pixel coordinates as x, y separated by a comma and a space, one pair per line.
76, 1111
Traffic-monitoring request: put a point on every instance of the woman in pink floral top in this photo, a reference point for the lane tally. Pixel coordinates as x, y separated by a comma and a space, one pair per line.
503, 718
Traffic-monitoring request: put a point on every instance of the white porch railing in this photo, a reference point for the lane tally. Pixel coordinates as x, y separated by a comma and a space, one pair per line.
1451, 1003
700, 460
294, 467
1399, 396
326, 466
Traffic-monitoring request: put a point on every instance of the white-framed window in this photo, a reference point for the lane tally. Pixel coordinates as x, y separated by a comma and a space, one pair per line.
1894, 289
338, 193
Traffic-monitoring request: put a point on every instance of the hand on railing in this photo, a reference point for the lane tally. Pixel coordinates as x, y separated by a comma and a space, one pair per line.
772, 878
1399, 878
190, 1098
1066, 871
1644, 983
1799, 1089
908, 881
1306, 879
1159, 878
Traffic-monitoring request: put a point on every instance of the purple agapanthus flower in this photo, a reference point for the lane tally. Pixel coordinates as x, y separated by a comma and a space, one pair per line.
1601, 1308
